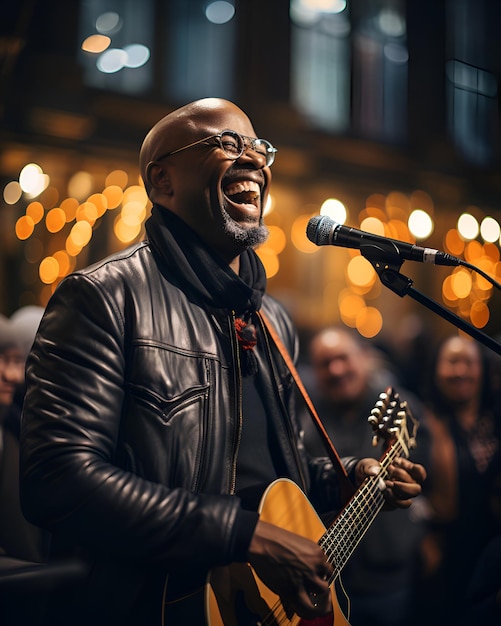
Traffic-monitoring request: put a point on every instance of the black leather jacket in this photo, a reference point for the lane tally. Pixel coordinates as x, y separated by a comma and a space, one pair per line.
131, 428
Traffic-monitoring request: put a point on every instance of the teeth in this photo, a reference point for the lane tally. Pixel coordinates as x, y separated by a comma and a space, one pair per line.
241, 186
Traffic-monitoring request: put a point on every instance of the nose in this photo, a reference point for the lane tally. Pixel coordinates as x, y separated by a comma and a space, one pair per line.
12, 371
249, 155
336, 367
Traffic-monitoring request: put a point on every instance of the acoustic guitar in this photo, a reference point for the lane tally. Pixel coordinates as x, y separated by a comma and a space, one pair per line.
235, 596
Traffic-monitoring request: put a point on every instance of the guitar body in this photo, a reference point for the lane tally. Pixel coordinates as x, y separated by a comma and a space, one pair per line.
237, 597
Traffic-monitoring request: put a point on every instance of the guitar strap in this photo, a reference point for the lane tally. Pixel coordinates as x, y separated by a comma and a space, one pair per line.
347, 488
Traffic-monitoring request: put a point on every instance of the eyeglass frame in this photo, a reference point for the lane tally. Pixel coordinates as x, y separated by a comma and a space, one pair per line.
250, 143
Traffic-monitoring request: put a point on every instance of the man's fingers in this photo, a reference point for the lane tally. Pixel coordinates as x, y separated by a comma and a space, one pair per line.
415, 471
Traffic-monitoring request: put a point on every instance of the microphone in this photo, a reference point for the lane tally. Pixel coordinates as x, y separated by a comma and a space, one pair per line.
324, 231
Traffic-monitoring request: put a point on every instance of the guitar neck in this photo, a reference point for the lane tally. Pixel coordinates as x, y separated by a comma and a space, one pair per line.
343, 536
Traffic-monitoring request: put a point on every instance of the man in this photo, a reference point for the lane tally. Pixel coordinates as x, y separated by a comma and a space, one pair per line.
348, 374
11, 364
23, 547
18, 538
144, 377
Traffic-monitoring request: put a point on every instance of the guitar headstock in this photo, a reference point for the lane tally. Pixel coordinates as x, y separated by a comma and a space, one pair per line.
391, 420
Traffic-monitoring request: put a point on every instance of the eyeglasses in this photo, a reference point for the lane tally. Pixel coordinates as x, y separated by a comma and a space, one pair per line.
233, 145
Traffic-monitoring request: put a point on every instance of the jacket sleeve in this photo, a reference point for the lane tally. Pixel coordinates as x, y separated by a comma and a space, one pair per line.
70, 483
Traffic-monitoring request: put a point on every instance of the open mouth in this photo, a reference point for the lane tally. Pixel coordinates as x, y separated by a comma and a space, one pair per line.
243, 192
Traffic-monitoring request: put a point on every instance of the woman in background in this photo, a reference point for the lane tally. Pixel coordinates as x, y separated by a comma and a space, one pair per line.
464, 468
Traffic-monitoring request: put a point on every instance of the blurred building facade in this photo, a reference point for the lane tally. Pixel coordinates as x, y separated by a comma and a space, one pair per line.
385, 114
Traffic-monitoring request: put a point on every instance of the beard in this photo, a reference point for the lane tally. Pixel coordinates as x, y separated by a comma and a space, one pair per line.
244, 237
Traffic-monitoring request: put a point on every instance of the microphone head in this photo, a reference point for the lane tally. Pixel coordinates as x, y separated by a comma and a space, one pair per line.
320, 229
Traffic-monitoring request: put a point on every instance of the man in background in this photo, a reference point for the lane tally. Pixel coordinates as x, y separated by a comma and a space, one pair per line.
347, 375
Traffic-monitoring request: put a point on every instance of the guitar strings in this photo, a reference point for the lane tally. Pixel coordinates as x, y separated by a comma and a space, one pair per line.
361, 513
372, 502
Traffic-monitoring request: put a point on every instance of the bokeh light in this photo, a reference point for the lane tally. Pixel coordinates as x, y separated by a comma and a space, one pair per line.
489, 229
420, 224
468, 226
335, 209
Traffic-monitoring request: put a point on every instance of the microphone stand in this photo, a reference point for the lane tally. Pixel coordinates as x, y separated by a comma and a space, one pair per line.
385, 258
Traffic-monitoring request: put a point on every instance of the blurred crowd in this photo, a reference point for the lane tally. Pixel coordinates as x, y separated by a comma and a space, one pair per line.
440, 560
437, 562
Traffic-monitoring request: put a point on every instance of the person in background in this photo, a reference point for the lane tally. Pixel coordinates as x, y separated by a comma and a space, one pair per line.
23, 546
347, 375
156, 398
18, 538
463, 481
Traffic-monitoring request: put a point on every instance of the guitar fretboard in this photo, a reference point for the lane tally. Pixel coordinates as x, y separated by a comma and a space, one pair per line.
346, 532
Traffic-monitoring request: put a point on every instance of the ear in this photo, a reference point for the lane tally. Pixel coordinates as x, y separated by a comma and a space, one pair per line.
158, 177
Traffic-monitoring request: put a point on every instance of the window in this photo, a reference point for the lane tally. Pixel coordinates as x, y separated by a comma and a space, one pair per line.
349, 66
471, 88
115, 40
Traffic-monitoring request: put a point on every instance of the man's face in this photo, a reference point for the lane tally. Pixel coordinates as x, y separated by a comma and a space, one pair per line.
220, 198
11, 374
340, 365
459, 371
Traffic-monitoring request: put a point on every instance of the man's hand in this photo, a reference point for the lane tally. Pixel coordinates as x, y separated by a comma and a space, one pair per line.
403, 483
293, 567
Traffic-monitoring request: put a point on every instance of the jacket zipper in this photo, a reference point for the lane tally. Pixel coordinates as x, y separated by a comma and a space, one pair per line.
239, 400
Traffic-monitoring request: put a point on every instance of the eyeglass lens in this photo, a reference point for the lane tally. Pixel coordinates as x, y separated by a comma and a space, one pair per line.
234, 145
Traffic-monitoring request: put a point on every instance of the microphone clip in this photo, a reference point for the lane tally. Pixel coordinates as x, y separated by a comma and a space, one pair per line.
385, 258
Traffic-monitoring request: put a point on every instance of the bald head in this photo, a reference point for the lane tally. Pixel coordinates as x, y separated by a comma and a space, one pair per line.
341, 362
183, 126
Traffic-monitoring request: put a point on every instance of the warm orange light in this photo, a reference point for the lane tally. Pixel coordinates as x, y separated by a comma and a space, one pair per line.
55, 220
70, 206
448, 292
118, 178
276, 240
397, 229
24, 227
126, 233
349, 306
453, 242
133, 213
86, 212
491, 251
473, 251
48, 270
96, 44
81, 233
65, 262
100, 201
270, 261
369, 322
298, 235
36, 211
461, 283
71, 247
371, 211
373, 225
360, 272
113, 195
479, 314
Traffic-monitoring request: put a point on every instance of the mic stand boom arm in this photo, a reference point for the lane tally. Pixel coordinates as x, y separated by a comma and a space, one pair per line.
386, 260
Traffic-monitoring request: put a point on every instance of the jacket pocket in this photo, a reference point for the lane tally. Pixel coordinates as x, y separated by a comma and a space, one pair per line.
167, 413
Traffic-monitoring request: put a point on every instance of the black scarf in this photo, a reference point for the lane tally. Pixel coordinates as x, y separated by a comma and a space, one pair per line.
203, 274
